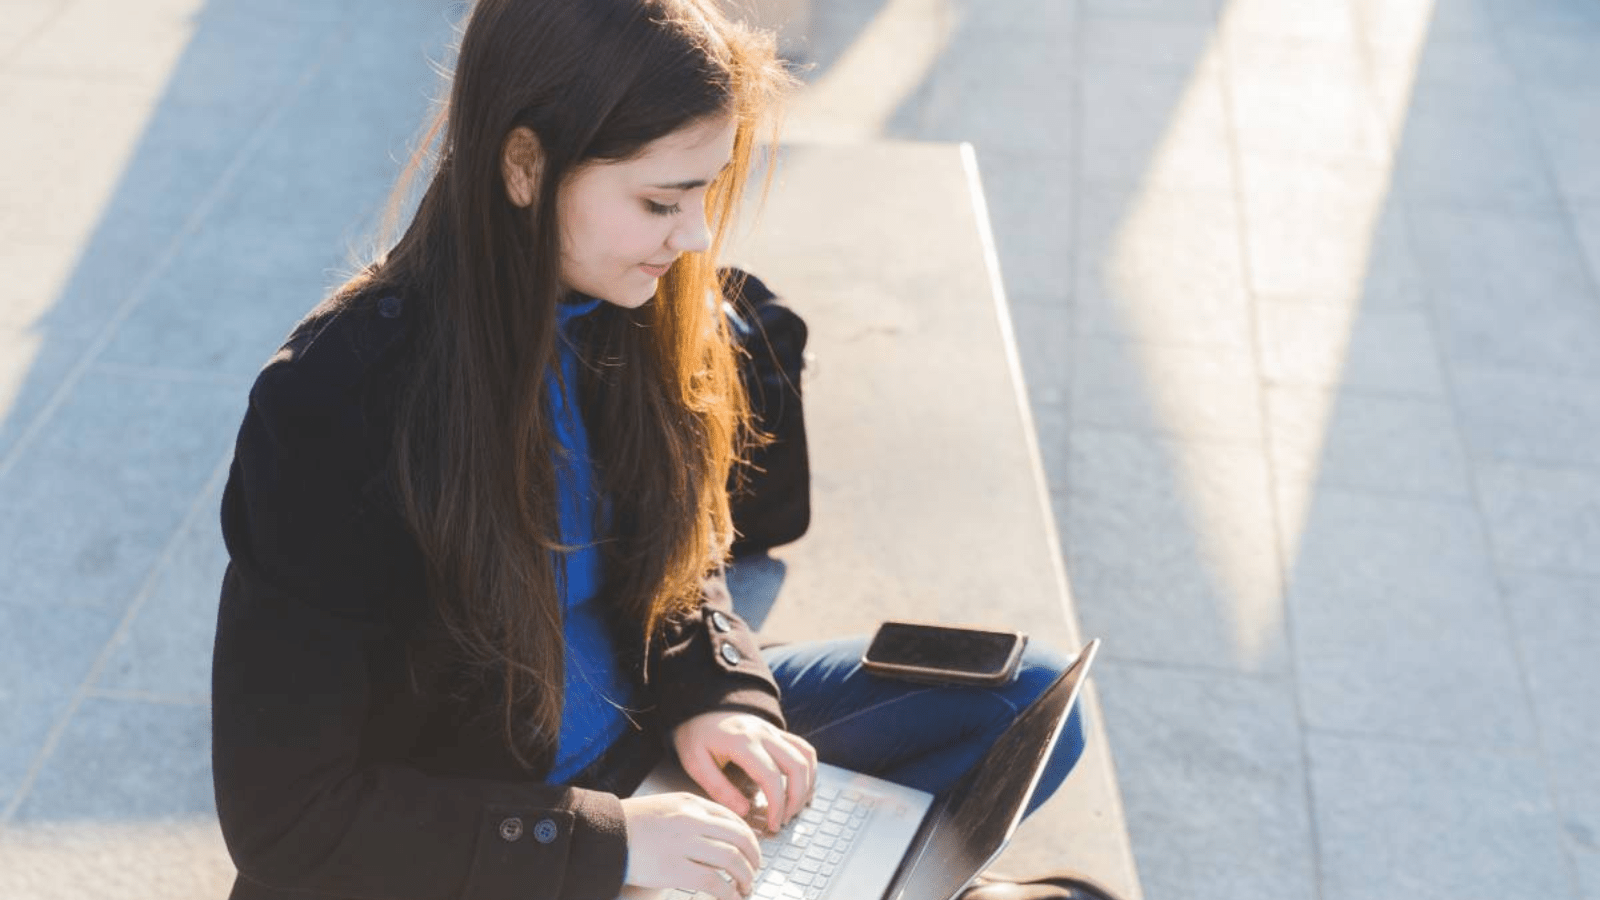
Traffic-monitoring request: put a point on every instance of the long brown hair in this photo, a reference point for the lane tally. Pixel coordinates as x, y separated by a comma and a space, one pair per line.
595, 80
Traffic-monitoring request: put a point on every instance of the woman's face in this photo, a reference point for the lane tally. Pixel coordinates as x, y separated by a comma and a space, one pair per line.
623, 223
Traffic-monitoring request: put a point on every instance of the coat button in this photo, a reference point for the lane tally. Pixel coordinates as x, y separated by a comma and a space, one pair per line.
720, 622
546, 831
389, 307
511, 829
730, 654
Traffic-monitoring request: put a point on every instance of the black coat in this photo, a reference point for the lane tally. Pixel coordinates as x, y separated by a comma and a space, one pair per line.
347, 764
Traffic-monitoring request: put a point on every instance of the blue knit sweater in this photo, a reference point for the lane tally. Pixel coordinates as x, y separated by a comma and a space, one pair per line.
597, 693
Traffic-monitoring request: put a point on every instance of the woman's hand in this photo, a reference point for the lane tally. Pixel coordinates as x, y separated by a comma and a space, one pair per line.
783, 766
687, 842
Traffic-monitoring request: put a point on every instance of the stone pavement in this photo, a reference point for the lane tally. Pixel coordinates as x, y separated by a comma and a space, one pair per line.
1307, 292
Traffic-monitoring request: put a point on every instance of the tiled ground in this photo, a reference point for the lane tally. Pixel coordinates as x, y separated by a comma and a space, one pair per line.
1308, 295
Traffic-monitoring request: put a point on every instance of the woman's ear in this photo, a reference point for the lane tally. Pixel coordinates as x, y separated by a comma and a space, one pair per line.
520, 161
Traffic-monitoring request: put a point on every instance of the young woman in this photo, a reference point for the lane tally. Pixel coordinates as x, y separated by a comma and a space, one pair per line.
477, 496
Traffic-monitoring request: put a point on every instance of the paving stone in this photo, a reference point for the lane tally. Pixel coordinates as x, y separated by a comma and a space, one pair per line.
1547, 16
1509, 290
1043, 333
1552, 334
170, 859
1413, 22
1170, 550
1332, 345
141, 819
1161, 266
131, 43
834, 29
1473, 149
1327, 231
167, 650
1576, 784
38, 271
166, 149
1019, 100
1409, 75
1179, 46
100, 492
33, 365
1557, 620
1519, 417
1397, 820
1152, 128
1438, 667
1282, 105
1213, 781
1324, 21
290, 268
1256, 59
162, 769
1408, 78
1542, 517
1589, 871
22, 22
49, 650
980, 20
59, 196
1586, 217
1175, 391
1564, 60
1569, 126
1031, 205
1052, 423
1179, 10
1372, 442
300, 248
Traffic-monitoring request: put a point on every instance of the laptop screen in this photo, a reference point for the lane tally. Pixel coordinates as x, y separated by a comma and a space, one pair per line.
971, 822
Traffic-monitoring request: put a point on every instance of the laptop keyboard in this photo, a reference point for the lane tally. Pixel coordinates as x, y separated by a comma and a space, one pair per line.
799, 862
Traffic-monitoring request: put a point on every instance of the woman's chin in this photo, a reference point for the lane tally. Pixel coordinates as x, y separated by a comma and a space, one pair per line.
632, 299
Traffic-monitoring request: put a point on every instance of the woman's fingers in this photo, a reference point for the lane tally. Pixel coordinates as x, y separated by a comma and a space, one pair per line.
707, 773
799, 763
711, 881
725, 857
684, 841
782, 766
734, 832
765, 772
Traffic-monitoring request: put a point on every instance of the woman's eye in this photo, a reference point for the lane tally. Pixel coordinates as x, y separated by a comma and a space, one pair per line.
661, 209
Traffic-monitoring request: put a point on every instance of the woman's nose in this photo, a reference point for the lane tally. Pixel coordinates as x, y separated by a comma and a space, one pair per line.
692, 236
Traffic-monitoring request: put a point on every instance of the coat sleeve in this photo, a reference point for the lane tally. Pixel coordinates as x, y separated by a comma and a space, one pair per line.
308, 652
708, 661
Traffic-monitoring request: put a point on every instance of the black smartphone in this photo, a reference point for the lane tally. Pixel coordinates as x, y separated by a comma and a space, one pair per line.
944, 654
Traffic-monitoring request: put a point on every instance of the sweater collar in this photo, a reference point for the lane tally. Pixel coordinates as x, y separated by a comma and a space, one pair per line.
575, 305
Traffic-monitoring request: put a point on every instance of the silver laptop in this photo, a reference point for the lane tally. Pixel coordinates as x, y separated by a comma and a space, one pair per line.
864, 838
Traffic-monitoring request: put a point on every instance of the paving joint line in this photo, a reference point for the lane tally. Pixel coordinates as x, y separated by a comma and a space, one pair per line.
151, 697
1475, 488
192, 224
158, 373
15, 50
87, 686
1308, 792
1193, 668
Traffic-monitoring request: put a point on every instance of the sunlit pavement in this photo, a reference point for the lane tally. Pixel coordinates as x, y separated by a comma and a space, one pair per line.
1306, 292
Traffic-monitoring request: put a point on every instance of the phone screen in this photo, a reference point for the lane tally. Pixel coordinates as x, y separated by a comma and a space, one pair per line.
939, 648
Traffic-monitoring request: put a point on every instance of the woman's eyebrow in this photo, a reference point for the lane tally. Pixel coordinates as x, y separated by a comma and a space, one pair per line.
691, 184
680, 185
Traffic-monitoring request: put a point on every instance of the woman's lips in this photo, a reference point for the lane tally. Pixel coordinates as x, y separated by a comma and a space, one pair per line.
655, 271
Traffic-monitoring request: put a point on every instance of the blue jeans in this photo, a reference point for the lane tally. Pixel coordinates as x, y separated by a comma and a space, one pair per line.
920, 736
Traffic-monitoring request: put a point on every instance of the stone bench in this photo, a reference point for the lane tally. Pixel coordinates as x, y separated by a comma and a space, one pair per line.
929, 499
